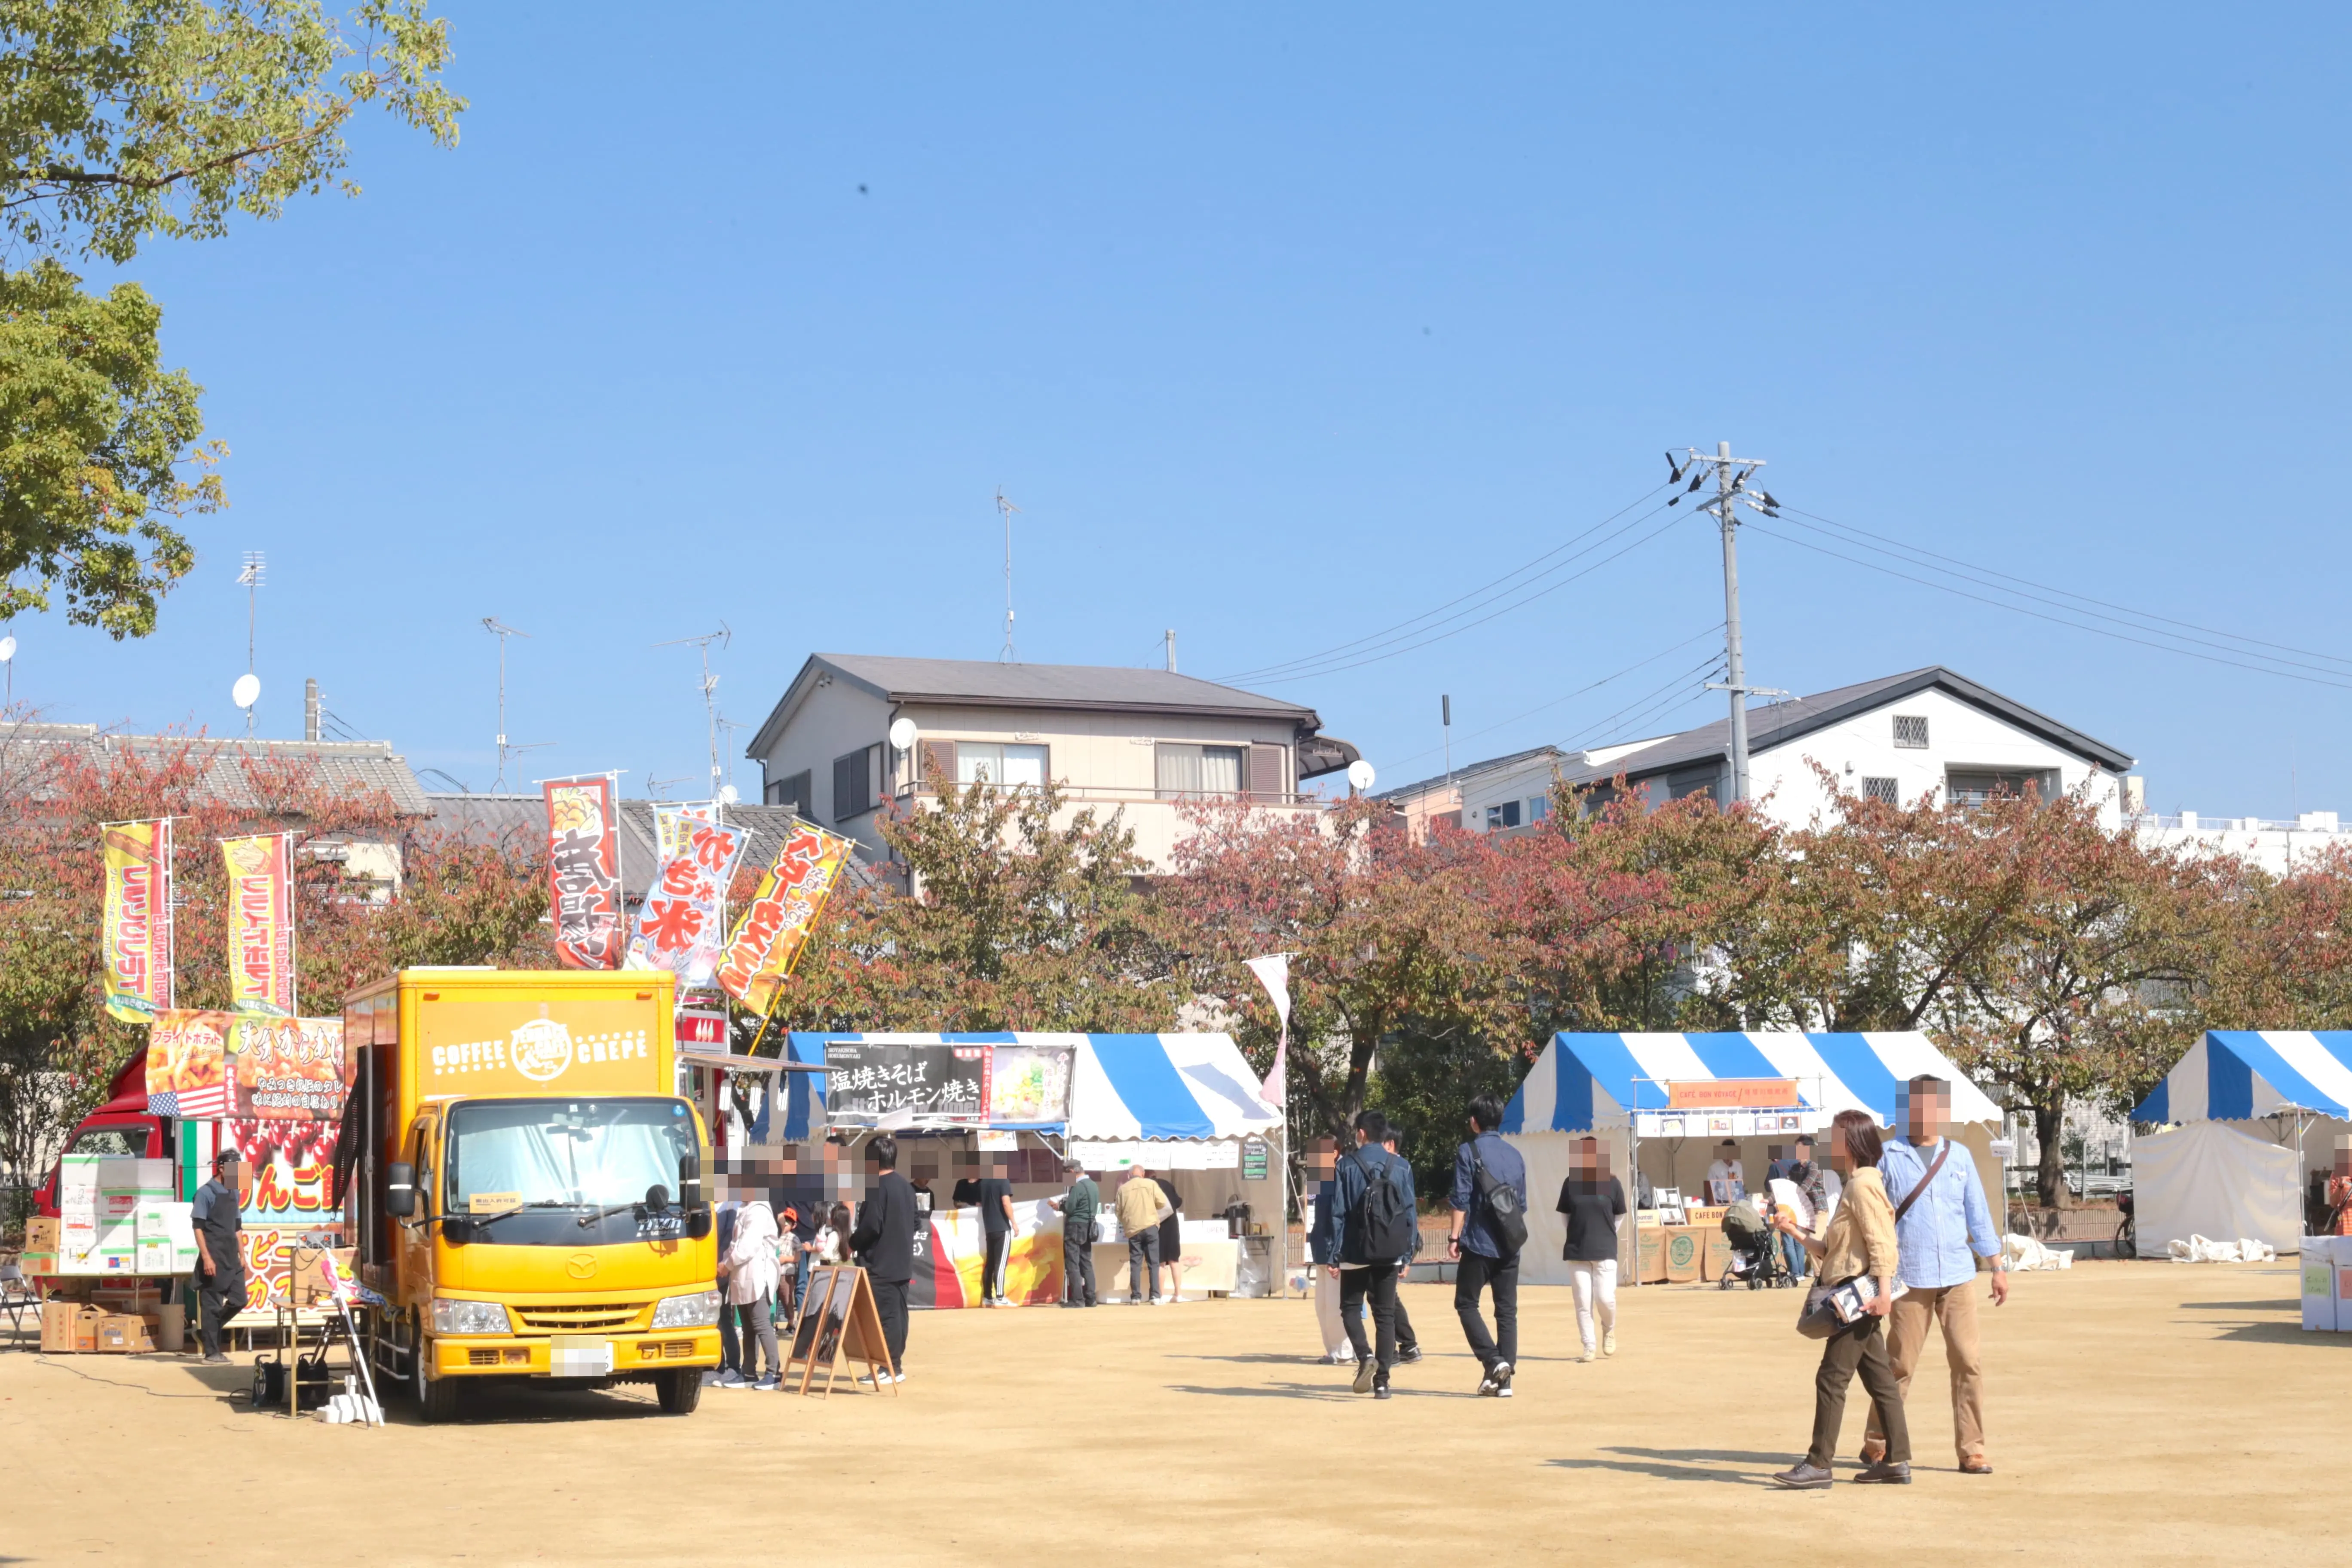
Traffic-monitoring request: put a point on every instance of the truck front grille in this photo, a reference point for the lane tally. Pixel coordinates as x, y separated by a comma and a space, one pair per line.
575, 1318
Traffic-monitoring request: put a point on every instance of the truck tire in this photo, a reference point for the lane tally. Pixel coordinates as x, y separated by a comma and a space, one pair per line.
436, 1397
680, 1389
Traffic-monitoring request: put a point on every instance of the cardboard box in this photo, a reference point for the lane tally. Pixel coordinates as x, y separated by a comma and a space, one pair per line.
1685, 1246
1649, 1255
57, 1327
40, 1235
119, 1335
1714, 1259
85, 1329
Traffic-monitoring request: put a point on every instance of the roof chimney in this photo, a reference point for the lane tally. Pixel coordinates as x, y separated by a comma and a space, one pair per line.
311, 709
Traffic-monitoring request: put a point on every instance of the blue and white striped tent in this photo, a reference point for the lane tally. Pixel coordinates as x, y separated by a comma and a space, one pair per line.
1584, 1082
1123, 1086
2236, 1075
2235, 1167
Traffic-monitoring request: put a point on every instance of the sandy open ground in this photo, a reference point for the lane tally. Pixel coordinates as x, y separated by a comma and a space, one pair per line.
2142, 1413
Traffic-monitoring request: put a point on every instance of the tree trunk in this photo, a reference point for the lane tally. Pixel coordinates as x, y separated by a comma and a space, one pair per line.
2049, 1132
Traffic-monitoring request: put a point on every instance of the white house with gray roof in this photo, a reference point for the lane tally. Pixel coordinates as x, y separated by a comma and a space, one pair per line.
1138, 742
1897, 738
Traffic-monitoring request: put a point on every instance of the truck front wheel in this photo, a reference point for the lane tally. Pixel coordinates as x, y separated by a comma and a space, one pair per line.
680, 1389
436, 1397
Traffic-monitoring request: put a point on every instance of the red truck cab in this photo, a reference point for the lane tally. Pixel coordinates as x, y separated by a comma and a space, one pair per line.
119, 1126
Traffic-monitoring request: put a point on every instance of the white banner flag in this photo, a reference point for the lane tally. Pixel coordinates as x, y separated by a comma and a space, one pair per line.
1273, 971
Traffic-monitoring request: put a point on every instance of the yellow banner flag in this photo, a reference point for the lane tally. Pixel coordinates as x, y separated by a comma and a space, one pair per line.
261, 923
137, 919
776, 924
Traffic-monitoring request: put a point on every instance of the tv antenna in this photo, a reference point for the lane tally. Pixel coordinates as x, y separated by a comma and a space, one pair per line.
1006, 509
654, 787
723, 637
501, 631
248, 690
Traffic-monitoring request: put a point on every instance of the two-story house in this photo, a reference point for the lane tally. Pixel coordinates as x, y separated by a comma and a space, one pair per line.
1896, 739
1139, 742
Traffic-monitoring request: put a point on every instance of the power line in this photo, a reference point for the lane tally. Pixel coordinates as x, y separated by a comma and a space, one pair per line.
2053, 619
1413, 624
1580, 691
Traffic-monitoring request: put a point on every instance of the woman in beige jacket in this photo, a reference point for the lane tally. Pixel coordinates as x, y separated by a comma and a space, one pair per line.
1860, 1240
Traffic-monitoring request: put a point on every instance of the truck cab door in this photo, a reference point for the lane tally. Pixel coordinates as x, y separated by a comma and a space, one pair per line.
415, 1243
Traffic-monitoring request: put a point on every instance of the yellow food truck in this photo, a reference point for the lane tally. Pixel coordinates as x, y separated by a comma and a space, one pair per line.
525, 1185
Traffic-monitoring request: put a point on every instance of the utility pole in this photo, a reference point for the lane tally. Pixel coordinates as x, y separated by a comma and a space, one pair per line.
1731, 476
1445, 720
1005, 508
1172, 650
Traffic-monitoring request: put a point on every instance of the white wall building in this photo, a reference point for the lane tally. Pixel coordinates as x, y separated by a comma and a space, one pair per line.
2275, 846
1138, 742
1897, 738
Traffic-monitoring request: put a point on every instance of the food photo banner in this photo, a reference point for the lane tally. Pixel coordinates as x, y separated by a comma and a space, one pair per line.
584, 868
137, 923
775, 925
261, 923
207, 1064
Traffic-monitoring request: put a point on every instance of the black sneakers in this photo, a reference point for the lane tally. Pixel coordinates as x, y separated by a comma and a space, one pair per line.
1365, 1371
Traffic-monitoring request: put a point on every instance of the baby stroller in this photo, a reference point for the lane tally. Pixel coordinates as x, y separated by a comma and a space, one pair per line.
1756, 1259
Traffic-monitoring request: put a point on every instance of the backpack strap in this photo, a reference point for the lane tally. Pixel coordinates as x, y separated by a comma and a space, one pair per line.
1911, 1196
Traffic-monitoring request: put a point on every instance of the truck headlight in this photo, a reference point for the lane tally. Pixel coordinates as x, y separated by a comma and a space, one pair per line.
471, 1317
699, 1311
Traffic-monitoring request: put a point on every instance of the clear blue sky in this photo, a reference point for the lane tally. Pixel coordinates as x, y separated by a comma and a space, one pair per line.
1280, 330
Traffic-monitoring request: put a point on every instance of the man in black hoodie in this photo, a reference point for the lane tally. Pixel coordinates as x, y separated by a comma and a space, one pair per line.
883, 1241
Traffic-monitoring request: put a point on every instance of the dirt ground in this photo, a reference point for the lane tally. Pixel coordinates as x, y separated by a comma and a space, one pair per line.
2141, 1412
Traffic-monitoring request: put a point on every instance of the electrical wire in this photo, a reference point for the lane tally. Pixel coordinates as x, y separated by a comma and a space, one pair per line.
2041, 615
1414, 625
1650, 707
1580, 691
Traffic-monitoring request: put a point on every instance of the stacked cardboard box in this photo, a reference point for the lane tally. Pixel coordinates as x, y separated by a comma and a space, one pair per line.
99, 1203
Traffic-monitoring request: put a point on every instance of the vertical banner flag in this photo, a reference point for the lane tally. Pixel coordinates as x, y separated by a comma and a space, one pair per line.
776, 924
1273, 971
677, 926
261, 924
584, 866
138, 920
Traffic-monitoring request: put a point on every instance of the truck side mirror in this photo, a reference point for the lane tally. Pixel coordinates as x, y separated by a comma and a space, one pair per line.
400, 1190
689, 1179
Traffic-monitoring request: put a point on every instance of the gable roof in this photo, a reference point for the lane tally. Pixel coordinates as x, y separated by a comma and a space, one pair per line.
342, 765
1783, 722
975, 683
1466, 771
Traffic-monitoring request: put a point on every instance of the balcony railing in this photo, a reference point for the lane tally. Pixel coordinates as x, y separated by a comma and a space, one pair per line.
1085, 794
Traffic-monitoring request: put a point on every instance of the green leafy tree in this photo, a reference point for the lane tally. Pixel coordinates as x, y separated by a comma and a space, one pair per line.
122, 121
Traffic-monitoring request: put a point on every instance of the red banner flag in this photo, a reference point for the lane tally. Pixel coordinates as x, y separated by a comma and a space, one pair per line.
584, 868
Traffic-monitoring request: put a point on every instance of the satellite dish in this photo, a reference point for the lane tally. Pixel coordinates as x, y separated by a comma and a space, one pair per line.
1361, 775
247, 691
902, 732
729, 794
7, 649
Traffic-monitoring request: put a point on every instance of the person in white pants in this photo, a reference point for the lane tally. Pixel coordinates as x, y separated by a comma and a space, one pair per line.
1323, 1249
1593, 1200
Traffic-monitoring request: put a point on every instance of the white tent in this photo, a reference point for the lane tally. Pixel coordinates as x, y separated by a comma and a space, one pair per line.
2287, 1095
2210, 1179
1596, 1085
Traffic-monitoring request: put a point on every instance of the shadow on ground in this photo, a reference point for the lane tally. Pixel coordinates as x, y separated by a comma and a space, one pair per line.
1682, 1464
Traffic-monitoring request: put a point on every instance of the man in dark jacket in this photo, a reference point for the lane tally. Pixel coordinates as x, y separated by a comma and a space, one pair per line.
1366, 1273
1479, 1256
884, 1240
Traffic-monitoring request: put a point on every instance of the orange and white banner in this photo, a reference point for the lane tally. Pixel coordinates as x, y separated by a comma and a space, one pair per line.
261, 923
775, 925
138, 920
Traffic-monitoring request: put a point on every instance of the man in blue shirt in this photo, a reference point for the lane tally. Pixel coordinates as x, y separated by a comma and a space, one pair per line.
1943, 1226
1478, 1255
1367, 1272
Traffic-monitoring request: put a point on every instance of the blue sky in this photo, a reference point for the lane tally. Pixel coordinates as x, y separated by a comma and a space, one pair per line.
1280, 330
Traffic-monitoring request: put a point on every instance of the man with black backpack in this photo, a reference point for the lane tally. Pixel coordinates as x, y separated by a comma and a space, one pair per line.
1373, 1194
1489, 1200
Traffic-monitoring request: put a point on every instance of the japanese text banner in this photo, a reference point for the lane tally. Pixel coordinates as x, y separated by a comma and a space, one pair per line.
584, 868
288, 1070
261, 923
678, 926
777, 922
138, 918
188, 1064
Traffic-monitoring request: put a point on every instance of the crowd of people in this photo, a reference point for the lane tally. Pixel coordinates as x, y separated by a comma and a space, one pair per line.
1907, 1229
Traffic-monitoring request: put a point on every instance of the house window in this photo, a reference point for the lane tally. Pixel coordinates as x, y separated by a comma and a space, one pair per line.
1883, 789
1007, 767
1539, 807
1911, 731
1507, 814
856, 783
794, 792
1187, 770
1971, 787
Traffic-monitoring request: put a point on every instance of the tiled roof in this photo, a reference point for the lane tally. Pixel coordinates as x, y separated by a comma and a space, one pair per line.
354, 765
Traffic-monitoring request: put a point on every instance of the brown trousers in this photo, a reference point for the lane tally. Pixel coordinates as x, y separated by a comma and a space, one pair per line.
1859, 1347
1954, 1307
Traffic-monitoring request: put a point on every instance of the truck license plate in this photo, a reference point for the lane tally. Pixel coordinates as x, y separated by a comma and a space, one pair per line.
578, 1355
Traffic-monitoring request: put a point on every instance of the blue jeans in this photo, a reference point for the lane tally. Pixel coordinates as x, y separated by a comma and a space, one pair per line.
1793, 1251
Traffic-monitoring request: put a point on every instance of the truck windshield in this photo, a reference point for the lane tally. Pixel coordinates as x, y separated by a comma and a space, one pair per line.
562, 1159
